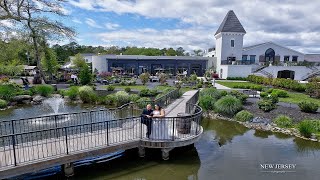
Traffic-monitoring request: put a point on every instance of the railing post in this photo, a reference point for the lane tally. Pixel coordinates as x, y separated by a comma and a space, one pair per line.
66, 132
107, 133
56, 125
91, 121
13, 144
173, 119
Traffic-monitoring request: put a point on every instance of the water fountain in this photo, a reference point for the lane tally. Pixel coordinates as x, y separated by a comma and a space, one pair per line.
55, 103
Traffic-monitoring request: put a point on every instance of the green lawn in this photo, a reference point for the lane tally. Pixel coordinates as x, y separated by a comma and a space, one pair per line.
136, 87
232, 84
295, 98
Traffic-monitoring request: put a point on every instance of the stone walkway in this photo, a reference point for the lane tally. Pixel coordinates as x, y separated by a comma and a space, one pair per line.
179, 105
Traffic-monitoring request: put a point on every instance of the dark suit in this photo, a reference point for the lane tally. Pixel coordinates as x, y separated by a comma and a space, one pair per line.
147, 121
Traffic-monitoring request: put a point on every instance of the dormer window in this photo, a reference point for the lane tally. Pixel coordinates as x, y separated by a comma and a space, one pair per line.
232, 43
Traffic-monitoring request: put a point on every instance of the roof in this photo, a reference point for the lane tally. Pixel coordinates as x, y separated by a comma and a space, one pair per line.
230, 23
26, 67
261, 44
142, 57
312, 57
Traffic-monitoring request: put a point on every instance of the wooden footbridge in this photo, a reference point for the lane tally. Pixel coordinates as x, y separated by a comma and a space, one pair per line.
29, 145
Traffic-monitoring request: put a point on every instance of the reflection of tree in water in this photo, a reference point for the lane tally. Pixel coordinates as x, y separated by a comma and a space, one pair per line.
262, 134
224, 130
305, 146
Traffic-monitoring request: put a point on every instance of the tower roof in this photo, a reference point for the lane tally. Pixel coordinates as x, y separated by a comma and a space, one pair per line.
230, 23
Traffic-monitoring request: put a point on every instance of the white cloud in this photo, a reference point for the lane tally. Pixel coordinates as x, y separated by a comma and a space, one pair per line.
92, 23
112, 26
264, 20
76, 21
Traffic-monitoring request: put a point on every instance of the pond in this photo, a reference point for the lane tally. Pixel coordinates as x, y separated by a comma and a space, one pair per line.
226, 151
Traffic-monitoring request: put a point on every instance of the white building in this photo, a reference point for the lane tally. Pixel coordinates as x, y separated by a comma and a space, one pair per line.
266, 59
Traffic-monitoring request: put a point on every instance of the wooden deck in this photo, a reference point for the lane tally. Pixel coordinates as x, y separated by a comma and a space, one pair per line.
70, 146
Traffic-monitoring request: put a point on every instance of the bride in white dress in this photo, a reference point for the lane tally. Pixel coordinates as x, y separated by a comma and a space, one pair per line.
159, 125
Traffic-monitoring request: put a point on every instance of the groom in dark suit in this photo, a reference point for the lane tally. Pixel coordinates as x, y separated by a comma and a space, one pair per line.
146, 118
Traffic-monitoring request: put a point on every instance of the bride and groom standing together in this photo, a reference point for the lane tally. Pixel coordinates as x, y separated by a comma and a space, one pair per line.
157, 127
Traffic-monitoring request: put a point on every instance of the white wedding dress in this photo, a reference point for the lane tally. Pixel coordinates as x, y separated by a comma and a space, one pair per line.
159, 130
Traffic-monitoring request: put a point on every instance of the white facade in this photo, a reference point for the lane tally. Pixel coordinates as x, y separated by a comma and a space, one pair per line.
235, 61
100, 63
280, 52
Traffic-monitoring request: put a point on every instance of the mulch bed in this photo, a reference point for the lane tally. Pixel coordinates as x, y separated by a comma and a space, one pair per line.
292, 112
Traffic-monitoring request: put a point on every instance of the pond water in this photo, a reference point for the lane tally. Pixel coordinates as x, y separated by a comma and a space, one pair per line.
226, 151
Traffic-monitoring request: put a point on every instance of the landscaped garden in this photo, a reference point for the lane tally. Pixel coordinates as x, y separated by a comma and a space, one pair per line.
236, 106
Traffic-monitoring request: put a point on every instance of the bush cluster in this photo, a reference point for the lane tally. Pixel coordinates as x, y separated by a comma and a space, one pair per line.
122, 98
283, 121
278, 82
72, 93
307, 127
44, 90
3, 103
87, 94
127, 89
266, 105
148, 93
279, 93
143, 102
242, 97
308, 107
207, 102
110, 88
7, 91
313, 87
228, 105
244, 116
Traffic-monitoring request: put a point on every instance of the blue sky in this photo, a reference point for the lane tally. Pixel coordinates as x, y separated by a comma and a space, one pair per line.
191, 24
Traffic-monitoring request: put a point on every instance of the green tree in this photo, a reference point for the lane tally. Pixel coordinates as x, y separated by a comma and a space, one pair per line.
49, 62
79, 61
180, 51
85, 75
36, 20
198, 52
171, 52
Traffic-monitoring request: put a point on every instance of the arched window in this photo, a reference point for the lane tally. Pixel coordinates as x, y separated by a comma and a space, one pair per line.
269, 55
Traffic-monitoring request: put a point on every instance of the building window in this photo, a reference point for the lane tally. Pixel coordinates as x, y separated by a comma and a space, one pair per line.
244, 57
252, 59
232, 43
86, 60
294, 58
286, 58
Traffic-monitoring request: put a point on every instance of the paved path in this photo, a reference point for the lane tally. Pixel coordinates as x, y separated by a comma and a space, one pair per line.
219, 86
179, 105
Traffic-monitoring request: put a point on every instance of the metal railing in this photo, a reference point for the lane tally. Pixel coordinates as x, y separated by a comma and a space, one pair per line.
190, 108
27, 140
166, 99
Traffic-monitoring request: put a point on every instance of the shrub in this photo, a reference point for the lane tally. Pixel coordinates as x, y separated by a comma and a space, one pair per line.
274, 99
199, 85
280, 93
223, 93
306, 128
134, 97
237, 78
110, 88
228, 105
212, 92
7, 91
122, 98
110, 100
283, 121
266, 105
144, 77
244, 116
242, 97
148, 93
207, 102
44, 90
73, 92
308, 107
87, 94
143, 102
3, 103
127, 89
313, 87
263, 94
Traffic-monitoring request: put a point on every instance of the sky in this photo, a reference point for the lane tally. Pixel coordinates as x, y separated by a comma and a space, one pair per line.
191, 24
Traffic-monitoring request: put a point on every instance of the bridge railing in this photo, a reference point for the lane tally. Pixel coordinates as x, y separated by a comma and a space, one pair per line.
22, 147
